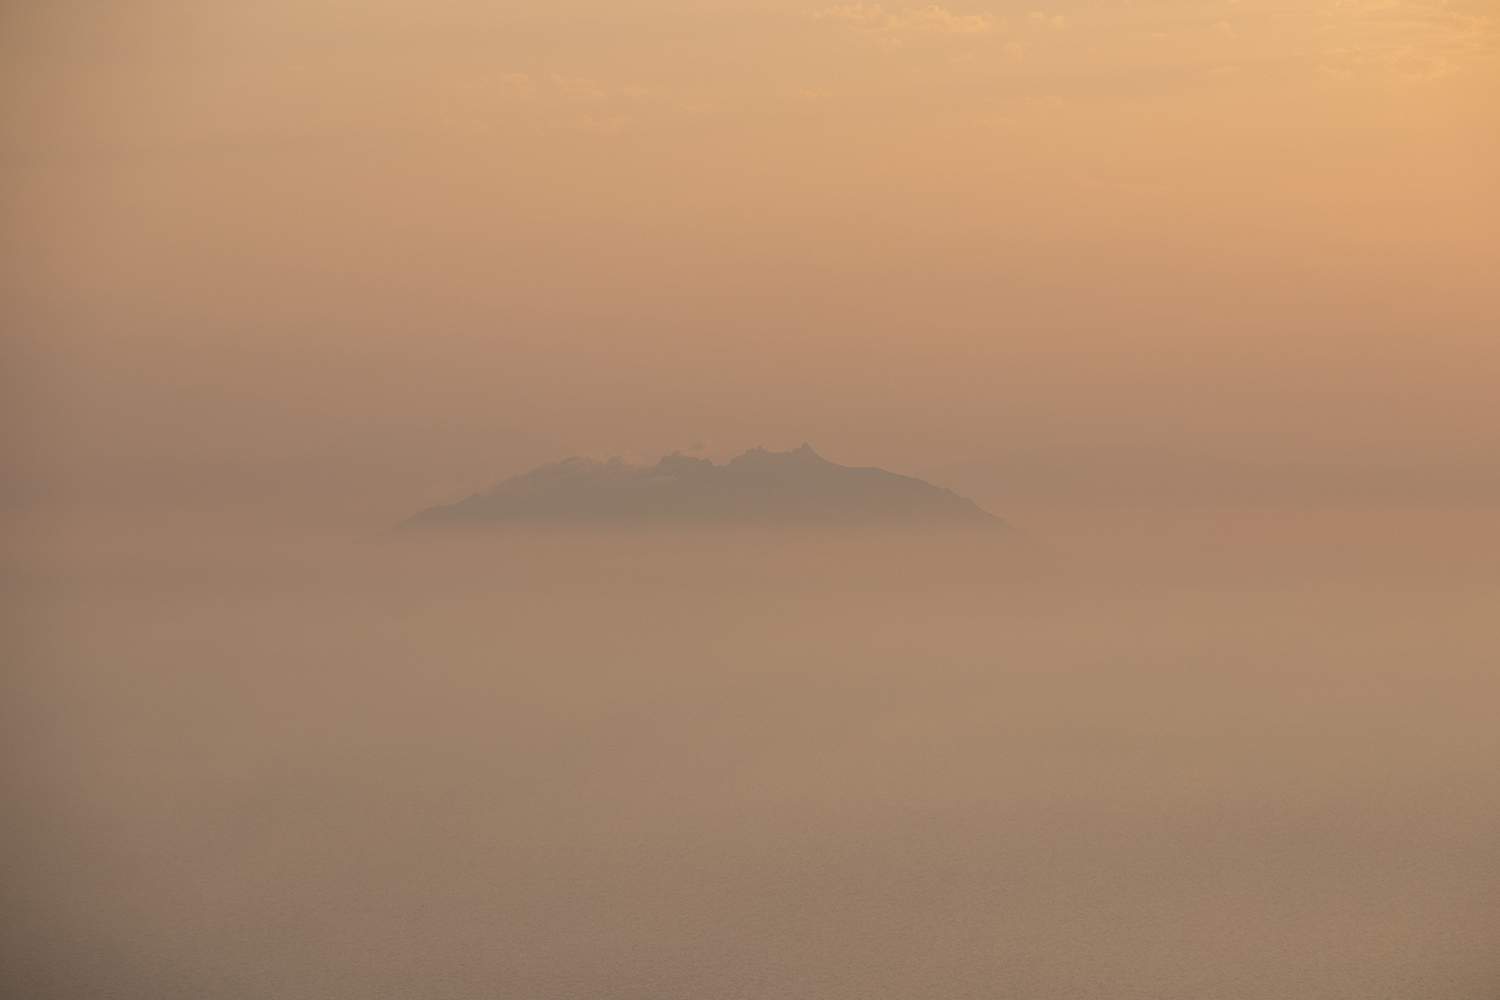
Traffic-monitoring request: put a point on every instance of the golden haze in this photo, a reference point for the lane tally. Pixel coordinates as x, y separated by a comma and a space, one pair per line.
913, 236
1200, 294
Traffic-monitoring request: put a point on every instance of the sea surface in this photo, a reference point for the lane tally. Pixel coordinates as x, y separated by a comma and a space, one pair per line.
1154, 753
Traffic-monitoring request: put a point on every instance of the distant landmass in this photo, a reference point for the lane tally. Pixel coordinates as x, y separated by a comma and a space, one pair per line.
758, 487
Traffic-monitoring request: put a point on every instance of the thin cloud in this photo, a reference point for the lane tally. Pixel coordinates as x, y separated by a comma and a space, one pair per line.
875, 19
576, 88
598, 126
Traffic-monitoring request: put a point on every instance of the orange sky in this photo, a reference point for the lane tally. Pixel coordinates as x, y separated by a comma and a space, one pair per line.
240, 232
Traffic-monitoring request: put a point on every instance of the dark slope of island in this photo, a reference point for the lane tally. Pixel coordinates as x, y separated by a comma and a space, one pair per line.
757, 488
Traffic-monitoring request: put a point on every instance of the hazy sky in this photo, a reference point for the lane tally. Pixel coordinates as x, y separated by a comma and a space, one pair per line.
238, 233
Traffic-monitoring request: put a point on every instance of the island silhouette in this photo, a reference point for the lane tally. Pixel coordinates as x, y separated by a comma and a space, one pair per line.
760, 487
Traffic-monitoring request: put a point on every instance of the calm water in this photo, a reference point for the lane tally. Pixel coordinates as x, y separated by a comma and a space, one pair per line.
1188, 755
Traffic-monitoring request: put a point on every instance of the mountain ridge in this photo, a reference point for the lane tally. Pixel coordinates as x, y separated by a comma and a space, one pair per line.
756, 487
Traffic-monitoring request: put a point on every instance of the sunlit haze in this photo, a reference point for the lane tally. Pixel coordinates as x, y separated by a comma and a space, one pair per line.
896, 501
